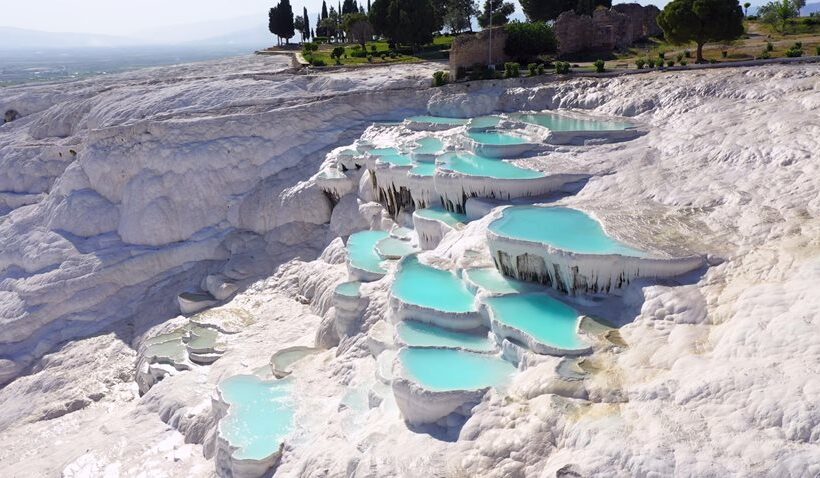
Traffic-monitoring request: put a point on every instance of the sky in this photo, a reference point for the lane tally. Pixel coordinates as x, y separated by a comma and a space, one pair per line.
116, 17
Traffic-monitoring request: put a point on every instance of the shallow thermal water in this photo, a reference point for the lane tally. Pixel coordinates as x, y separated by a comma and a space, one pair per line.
396, 159
420, 334
393, 248
495, 138
556, 122
451, 369
438, 120
424, 169
427, 286
475, 165
361, 249
561, 227
450, 218
260, 415
429, 145
489, 279
547, 320
349, 289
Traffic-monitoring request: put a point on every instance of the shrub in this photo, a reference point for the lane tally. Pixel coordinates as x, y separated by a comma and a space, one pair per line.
309, 48
337, 54
526, 41
670, 63
562, 67
765, 55
650, 62
542, 70
640, 63
679, 57
359, 53
683, 62
817, 50
370, 58
712, 61
661, 55
317, 62
599, 66
512, 70
769, 46
687, 53
461, 72
533, 69
794, 52
724, 53
439, 78
373, 48
798, 45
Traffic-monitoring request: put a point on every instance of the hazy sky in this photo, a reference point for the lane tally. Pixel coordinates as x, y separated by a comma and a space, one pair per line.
118, 17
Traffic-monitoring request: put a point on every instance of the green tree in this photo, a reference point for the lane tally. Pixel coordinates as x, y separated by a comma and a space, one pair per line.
545, 10
404, 21
701, 21
307, 23
280, 20
777, 14
746, 9
299, 26
324, 10
349, 6
501, 12
525, 41
358, 28
459, 15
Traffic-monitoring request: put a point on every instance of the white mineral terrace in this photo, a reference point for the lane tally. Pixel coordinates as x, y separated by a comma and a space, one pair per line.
232, 189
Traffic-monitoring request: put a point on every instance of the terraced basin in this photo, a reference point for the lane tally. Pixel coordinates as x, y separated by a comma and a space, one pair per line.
431, 288
348, 289
362, 255
496, 138
420, 334
438, 120
560, 227
424, 169
443, 369
546, 325
394, 248
489, 279
557, 122
428, 146
260, 416
476, 165
452, 219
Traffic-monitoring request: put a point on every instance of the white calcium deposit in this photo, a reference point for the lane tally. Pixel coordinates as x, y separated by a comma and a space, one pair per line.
121, 192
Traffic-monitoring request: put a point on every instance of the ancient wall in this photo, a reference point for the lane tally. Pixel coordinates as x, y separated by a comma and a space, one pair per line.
606, 29
467, 50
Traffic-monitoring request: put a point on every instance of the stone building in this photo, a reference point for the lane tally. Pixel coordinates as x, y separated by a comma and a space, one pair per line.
467, 50
607, 29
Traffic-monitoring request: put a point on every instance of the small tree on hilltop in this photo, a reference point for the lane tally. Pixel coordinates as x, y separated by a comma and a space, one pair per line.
501, 12
777, 14
701, 21
459, 15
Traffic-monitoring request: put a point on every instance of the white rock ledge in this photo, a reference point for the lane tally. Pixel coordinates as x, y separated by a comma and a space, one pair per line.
430, 231
400, 310
505, 331
573, 272
420, 406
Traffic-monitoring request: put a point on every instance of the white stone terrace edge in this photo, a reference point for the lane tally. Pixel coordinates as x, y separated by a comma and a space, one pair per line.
574, 272
506, 331
430, 231
239, 468
459, 321
419, 405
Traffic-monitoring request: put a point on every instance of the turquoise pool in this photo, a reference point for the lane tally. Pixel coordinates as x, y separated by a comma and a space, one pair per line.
424, 169
495, 138
260, 416
562, 123
438, 120
450, 369
450, 218
395, 159
427, 286
485, 122
493, 281
560, 227
392, 247
348, 289
429, 145
383, 151
420, 334
547, 320
361, 251
475, 165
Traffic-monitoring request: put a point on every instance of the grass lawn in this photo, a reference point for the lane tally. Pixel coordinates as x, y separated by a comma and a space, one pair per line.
380, 52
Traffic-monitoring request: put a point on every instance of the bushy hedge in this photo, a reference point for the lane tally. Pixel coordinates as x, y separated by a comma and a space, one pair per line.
512, 70
562, 67
525, 41
440, 78
599, 66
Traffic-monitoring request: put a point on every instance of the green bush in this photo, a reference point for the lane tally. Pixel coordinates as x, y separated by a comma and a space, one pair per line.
794, 52
440, 78
661, 55
683, 62
373, 48
640, 63
798, 45
337, 54
309, 48
765, 55
712, 61
359, 53
533, 69
687, 53
541, 70
650, 62
562, 67
679, 57
670, 63
769, 46
525, 41
512, 70
599, 66
817, 50
370, 58
724, 53
317, 62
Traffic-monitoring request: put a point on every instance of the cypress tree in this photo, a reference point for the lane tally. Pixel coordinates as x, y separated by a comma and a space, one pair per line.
324, 10
307, 22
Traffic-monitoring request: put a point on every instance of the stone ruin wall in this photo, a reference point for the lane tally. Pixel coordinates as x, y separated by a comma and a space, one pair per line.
467, 50
606, 29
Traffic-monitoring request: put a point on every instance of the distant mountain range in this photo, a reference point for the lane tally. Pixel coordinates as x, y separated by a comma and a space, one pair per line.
251, 31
